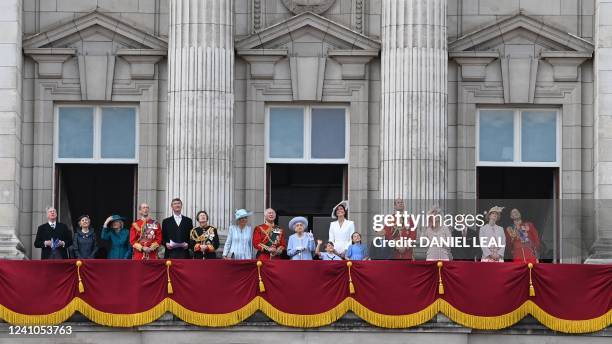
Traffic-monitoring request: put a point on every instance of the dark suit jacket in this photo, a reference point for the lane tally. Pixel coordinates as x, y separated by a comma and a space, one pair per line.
170, 231
467, 253
45, 232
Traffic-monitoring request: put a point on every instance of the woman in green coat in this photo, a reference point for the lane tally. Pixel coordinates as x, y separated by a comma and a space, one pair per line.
114, 230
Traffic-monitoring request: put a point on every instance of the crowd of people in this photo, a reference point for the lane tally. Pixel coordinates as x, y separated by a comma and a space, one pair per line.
177, 237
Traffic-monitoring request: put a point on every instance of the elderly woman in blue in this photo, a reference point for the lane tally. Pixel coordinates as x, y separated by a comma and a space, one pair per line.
238, 244
301, 244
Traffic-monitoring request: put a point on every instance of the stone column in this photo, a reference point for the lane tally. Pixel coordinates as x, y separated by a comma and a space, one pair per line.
201, 108
601, 252
11, 62
413, 131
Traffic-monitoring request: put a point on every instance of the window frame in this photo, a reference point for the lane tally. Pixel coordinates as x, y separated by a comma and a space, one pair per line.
307, 156
97, 135
517, 139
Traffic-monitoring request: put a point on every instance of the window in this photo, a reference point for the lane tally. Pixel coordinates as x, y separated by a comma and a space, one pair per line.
518, 137
91, 134
307, 134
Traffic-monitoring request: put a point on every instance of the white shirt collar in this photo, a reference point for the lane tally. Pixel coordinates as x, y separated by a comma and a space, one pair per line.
52, 224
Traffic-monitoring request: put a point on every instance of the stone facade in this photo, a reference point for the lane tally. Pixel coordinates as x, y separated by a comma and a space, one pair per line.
178, 61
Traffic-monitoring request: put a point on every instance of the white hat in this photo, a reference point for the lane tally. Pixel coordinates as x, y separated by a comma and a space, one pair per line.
344, 204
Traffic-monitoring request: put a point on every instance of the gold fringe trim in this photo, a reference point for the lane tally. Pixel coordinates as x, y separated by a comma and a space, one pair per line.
394, 321
303, 320
568, 326
480, 322
214, 320
312, 320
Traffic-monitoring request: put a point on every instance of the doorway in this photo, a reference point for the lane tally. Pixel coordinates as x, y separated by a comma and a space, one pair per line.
97, 190
309, 190
532, 190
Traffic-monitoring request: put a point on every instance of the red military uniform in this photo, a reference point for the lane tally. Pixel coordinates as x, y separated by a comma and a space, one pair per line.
399, 232
524, 242
142, 235
266, 236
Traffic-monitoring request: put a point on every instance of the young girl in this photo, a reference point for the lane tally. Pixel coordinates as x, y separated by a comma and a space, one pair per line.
356, 250
330, 252
300, 244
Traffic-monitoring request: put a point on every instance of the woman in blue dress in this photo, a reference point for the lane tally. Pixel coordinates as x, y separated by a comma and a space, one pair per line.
301, 244
239, 242
119, 236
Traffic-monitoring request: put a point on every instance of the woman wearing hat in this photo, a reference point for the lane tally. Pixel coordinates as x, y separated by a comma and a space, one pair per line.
114, 230
301, 244
492, 237
84, 244
239, 242
438, 233
341, 230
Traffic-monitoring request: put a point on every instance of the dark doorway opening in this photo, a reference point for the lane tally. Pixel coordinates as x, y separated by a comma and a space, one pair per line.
97, 190
532, 190
309, 190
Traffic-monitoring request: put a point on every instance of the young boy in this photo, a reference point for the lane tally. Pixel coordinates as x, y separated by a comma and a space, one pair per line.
330, 252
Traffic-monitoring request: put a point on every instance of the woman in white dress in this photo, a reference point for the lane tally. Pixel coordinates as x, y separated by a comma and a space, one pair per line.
340, 231
493, 251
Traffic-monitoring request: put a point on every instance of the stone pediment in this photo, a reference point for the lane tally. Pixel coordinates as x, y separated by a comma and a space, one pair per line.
92, 43
520, 29
98, 27
307, 27
307, 40
520, 43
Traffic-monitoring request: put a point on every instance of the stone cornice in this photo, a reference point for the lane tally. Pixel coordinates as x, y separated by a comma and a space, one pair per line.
520, 21
352, 38
95, 18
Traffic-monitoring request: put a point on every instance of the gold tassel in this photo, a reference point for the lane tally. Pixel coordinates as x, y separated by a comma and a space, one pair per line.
262, 288
81, 286
440, 285
351, 286
168, 264
531, 288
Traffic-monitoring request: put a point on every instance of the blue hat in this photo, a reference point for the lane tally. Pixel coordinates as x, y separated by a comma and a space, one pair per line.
117, 218
242, 213
296, 220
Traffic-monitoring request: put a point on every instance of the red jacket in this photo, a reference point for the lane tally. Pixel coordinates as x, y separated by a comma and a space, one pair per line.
145, 235
524, 243
395, 233
265, 236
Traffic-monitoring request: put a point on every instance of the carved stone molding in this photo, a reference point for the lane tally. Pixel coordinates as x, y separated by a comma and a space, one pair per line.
353, 62
307, 76
473, 63
565, 63
262, 61
50, 60
142, 61
314, 6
